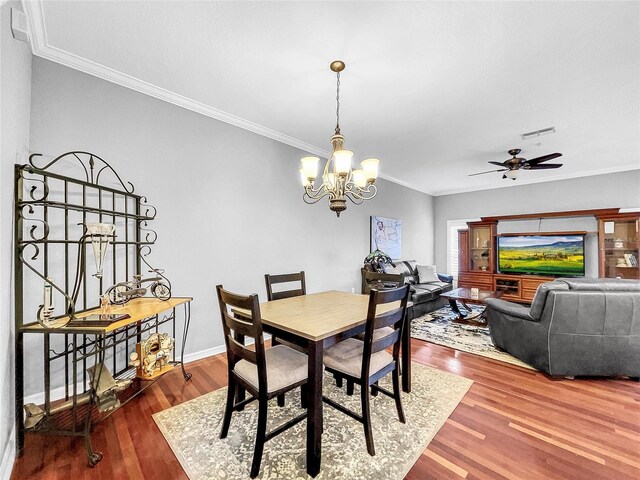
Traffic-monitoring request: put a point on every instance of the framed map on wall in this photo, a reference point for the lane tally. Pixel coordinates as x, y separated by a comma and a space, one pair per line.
386, 236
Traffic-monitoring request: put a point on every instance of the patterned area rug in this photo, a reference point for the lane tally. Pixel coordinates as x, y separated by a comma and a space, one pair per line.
192, 430
436, 327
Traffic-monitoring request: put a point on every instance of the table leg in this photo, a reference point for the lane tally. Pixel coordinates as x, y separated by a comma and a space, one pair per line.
314, 409
406, 352
454, 306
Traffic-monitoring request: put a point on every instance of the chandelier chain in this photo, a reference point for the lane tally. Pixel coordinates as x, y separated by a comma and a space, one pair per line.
338, 105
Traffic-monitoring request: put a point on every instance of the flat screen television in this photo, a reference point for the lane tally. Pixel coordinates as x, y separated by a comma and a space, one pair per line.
543, 254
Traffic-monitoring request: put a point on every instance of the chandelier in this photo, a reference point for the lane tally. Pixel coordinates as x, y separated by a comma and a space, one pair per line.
339, 180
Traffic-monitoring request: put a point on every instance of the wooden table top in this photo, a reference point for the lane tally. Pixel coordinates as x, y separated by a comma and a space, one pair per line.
466, 295
316, 316
137, 309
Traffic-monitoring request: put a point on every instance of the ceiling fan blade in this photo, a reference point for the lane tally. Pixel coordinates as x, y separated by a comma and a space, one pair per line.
544, 158
500, 164
543, 167
489, 171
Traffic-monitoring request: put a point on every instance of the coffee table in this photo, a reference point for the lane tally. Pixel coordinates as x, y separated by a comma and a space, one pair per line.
465, 296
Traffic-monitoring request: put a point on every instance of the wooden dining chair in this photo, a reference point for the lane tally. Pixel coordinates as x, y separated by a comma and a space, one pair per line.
366, 362
264, 373
271, 280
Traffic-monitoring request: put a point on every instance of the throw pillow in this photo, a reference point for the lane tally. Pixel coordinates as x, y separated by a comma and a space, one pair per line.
388, 268
427, 273
402, 266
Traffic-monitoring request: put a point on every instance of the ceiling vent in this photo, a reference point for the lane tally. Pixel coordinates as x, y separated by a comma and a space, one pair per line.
538, 133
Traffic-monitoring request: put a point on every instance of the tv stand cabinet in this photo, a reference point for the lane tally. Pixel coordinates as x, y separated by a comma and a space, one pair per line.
617, 236
518, 288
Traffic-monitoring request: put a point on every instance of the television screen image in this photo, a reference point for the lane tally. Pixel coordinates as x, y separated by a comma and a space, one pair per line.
553, 255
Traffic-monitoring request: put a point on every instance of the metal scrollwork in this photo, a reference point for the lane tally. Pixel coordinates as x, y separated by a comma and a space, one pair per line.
148, 207
150, 235
87, 161
34, 189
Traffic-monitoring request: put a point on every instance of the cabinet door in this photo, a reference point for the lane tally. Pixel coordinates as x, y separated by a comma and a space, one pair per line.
619, 247
463, 250
480, 246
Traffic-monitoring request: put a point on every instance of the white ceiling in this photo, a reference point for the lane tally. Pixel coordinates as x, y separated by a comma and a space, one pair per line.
434, 89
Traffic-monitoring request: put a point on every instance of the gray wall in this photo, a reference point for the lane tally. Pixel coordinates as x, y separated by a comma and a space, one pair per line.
229, 202
15, 92
598, 191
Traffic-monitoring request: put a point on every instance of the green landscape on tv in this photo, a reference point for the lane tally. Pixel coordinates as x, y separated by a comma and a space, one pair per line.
561, 255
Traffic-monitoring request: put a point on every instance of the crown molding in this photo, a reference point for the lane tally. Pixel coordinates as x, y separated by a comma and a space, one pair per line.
33, 9
41, 48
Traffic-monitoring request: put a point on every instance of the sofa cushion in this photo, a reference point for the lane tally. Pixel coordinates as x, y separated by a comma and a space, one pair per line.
537, 306
438, 284
602, 284
422, 295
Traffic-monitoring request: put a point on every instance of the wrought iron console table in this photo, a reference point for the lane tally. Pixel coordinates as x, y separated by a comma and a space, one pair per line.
51, 212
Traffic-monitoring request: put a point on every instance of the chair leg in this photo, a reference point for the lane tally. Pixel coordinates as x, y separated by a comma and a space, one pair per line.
274, 341
374, 392
228, 409
260, 437
397, 395
338, 380
240, 395
281, 400
304, 396
349, 387
366, 419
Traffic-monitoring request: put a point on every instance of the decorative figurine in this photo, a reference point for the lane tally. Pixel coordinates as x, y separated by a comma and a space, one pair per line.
45, 311
153, 354
104, 305
122, 292
134, 360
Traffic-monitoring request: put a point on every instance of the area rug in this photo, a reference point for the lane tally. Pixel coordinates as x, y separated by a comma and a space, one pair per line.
437, 327
192, 430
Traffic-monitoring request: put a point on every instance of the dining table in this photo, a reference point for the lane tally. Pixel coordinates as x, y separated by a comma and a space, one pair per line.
317, 321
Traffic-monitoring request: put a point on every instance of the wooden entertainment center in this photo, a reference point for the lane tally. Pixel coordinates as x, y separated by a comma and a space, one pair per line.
618, 243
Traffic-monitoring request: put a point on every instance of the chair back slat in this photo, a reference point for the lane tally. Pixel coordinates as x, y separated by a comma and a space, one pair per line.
271, 280
385, 342
249, 324
240, 325
286, 294
242, 351
394, 318
388, 318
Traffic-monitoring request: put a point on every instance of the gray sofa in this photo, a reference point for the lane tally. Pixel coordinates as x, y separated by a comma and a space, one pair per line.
424, 296
584, 326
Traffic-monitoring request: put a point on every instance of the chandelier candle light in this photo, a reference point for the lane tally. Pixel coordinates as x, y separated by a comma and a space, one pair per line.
339, 180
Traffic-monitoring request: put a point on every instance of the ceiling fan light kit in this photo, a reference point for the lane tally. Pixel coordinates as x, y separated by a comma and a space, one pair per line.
339, 181
512, 166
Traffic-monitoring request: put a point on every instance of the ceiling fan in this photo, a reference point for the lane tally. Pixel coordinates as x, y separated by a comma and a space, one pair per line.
511, 166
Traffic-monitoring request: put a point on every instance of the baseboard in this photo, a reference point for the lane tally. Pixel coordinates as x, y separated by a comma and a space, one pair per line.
209, 352
8, 457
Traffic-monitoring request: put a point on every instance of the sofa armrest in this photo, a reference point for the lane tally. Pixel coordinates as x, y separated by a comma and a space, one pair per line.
509, 308
445, 278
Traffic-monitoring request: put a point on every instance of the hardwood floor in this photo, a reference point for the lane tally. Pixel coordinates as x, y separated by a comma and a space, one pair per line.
512, 424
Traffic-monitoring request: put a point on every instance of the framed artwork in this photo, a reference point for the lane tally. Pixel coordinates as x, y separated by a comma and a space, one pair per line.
386, 236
